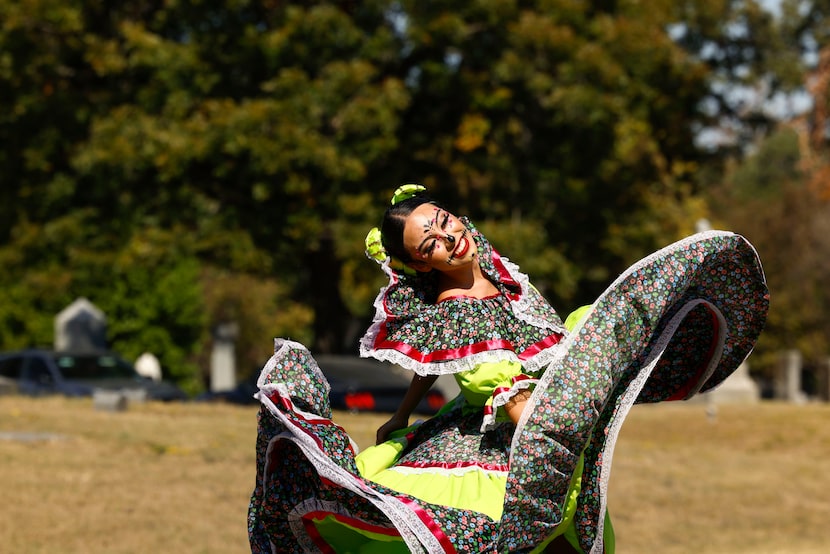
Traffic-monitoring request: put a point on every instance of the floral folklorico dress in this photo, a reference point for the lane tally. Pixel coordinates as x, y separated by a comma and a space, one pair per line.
494, 346
467, 480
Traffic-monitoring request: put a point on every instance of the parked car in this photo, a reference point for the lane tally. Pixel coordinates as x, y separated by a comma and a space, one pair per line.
365, 384
357, 385
38, 372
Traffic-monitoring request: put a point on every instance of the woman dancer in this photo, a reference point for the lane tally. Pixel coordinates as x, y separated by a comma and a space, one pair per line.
499, 469
465, 311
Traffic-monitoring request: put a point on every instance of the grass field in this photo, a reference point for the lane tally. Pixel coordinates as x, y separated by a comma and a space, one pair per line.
165, 478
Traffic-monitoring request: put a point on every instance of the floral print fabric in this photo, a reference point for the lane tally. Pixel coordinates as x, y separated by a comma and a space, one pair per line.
676, 323
456, 334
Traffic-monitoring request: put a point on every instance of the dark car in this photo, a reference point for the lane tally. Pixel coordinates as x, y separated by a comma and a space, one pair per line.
357, 385
365, 384
43, 372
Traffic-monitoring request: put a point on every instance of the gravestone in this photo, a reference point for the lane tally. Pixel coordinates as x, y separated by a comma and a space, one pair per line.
81, 327
7, 386
147, 365
109, 400
702, 225
223, 357
738, 388
788, 378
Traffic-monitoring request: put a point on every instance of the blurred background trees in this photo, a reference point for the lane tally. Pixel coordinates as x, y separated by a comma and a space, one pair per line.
188, 164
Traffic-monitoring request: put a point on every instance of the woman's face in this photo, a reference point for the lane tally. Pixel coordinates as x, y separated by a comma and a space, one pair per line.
436, 239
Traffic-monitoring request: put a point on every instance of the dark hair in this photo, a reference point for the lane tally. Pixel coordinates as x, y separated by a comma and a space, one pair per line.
393, 224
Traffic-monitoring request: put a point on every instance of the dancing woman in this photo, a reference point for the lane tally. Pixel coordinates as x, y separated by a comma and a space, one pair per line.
520, 460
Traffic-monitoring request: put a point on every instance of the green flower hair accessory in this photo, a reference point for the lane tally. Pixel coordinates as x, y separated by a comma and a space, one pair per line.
376, 251
405, 192
374, 246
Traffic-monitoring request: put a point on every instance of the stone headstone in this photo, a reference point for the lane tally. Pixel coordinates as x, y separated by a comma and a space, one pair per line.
223, 357
788, 378
7, 386
81, 326
109, 400
147, 365
702, 225
738, 388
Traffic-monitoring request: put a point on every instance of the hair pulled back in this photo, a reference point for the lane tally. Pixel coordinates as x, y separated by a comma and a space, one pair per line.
394, 221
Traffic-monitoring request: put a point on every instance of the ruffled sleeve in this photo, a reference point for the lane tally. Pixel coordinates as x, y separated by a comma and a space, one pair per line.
491, 385
413, 330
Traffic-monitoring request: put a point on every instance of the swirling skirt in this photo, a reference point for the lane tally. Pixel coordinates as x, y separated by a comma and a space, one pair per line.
676, 323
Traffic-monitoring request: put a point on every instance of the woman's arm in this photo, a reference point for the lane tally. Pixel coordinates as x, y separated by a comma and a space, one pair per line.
516, 405
417, 389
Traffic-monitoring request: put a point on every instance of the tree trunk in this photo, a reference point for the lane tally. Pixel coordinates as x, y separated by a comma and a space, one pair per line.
331, 316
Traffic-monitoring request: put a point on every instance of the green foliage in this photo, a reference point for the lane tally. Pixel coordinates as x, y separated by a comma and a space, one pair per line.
262, 308
187, 164
766, 200
554, 113
154, 303
761, 176
148, 287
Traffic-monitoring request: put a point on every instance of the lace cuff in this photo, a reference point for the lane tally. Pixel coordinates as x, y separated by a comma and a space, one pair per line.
503, 396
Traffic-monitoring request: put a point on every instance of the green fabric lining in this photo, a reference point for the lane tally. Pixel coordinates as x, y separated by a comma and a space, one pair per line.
453, 490
343, 537
474, 490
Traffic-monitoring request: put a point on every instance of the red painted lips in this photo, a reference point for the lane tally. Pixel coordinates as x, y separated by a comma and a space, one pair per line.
461, 249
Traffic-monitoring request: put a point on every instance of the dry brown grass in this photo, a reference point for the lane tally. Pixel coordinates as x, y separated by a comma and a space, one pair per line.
176, 478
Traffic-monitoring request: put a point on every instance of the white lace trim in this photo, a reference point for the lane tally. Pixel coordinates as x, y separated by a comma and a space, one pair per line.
414, 532
499, 400
629, 396
631, 393
295, 519
282, 390
436, 470
371, 334
520, 309
281, 346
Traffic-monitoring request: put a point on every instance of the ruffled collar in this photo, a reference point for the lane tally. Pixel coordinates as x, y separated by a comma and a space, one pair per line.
412, 330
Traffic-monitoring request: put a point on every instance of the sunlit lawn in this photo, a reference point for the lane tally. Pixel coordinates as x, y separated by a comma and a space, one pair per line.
177, 477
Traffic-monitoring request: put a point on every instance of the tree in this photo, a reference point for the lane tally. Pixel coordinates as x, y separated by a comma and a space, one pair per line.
234, 149
569, 122
278, 155
767, 199
777, 196
206, 120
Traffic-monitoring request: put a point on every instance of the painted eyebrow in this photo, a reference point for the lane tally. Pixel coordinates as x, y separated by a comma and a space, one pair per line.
432, 222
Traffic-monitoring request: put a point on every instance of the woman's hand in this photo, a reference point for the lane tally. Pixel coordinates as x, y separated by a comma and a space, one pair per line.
516, 405
395, 422
416, 391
